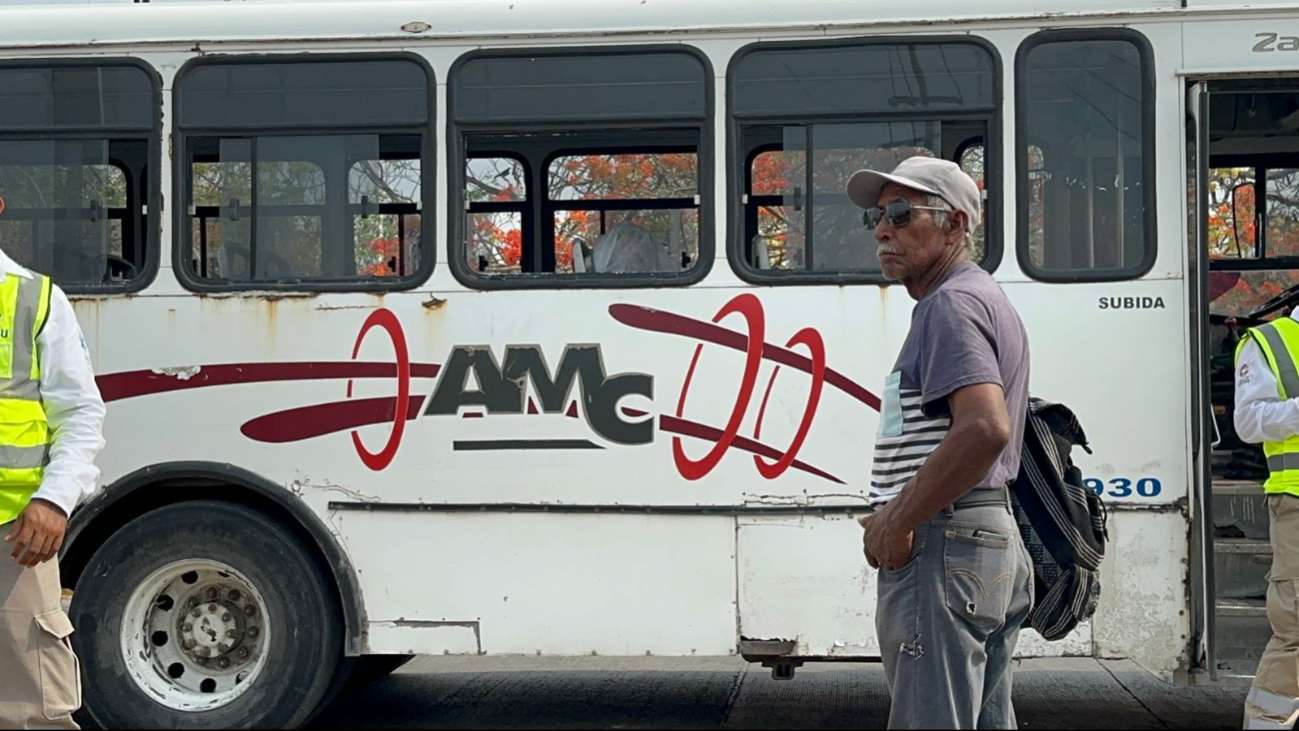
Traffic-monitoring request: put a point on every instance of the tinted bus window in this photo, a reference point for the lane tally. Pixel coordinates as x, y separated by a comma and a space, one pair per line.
796, 151
306, 174
1086, 156
581, 168
78, 154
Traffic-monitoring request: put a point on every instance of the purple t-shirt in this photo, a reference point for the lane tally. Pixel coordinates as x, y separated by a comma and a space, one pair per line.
963, 332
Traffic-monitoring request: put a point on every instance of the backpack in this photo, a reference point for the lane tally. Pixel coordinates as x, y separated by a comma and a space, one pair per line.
1062, 521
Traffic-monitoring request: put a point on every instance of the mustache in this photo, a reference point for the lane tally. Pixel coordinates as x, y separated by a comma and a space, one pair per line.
886, 249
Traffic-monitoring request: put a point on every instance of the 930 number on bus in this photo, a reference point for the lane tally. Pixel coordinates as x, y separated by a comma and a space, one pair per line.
1124, 487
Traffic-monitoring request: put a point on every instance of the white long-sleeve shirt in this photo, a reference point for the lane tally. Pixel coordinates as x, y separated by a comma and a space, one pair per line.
73, 406
1261, 415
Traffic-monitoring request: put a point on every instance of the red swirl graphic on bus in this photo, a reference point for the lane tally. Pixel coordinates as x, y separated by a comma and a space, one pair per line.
751, 342
385, 320
750, 308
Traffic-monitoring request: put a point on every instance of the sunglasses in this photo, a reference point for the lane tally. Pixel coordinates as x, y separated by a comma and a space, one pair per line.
898, 213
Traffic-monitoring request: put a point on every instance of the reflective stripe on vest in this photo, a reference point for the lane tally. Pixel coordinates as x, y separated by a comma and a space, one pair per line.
24, 429
1279, 341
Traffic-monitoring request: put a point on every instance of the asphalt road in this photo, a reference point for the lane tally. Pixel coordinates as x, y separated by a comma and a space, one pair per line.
725, 692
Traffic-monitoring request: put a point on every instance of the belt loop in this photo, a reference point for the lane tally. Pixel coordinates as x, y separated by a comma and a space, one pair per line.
950, 510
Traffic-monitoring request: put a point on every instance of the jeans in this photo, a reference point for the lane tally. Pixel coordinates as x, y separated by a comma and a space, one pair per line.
949, 619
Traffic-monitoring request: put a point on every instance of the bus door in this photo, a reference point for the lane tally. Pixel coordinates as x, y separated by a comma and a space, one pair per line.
1243, 149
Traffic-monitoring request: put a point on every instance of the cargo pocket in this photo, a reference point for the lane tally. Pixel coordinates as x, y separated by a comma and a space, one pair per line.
977, 563
60, 669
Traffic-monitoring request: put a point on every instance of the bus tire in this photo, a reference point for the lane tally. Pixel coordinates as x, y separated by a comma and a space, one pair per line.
205, 614
373, 668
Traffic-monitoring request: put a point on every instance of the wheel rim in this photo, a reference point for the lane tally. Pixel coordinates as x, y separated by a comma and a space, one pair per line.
194, 635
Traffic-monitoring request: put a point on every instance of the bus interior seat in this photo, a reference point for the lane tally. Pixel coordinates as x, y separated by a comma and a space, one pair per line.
629, 248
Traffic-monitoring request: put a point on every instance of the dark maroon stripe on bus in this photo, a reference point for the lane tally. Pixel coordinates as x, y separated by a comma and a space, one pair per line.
702, 431
643, 318
129, 384
315, 421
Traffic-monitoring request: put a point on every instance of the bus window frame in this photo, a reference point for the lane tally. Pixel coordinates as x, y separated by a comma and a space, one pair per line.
151, 208
515, 206
1149, 170
457, 156
738, 163
182, 170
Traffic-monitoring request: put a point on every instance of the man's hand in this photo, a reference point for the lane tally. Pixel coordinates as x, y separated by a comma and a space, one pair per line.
884, 548
37, 533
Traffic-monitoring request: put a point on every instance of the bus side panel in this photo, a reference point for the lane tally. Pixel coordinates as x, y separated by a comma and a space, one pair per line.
804, 578
1143, 611
534, 583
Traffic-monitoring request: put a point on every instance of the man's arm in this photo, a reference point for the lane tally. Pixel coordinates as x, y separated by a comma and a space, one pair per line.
980, 432
1261, 415
75, 412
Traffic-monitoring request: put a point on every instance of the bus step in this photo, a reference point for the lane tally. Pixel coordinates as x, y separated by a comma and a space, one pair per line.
1240, 567
1242, 633
1240, 509
1248, 546
1236, 671
1255, 608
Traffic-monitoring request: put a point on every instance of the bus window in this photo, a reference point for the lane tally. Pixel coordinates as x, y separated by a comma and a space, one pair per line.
603, 187
651, 192
1085, 115
971, 161
496, 196
305, 174
796, 222
77, 198
1252, 264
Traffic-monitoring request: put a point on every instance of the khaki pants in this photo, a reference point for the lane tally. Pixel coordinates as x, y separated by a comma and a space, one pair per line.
1273, 701
40, 682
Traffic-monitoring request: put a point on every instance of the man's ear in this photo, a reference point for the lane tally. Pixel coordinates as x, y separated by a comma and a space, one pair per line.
956, 221
2, 205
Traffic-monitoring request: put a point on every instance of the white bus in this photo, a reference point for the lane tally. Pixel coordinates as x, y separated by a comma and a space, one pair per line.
545, 327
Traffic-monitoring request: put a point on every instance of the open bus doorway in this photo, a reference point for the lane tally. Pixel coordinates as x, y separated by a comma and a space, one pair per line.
1250, 215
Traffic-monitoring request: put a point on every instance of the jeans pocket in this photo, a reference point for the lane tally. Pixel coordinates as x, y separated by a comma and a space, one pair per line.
918, 539
60, 669
978, 576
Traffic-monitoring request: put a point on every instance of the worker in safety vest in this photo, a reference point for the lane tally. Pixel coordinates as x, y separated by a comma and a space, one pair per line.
1267, 411
51, 425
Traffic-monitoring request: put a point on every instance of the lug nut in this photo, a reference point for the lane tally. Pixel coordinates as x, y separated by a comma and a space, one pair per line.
195, 613
230, 633
243, 653
253, 632
234, 595
189, 644
193, 602
211, 608
204, 651
211, 592
250, 610
223, 648
223, 663
225, 617
187, 627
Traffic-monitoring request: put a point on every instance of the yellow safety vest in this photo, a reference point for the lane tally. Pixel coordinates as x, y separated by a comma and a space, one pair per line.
1279, 341
24, 430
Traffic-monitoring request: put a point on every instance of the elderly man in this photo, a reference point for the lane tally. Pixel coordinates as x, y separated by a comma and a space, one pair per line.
956, 581
51, 419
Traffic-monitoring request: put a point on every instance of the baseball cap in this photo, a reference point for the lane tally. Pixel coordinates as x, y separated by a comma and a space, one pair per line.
931, 175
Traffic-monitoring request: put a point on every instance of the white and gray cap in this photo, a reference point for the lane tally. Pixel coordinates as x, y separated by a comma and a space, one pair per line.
942, 178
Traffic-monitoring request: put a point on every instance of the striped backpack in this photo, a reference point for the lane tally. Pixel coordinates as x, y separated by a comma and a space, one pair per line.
1062, 521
